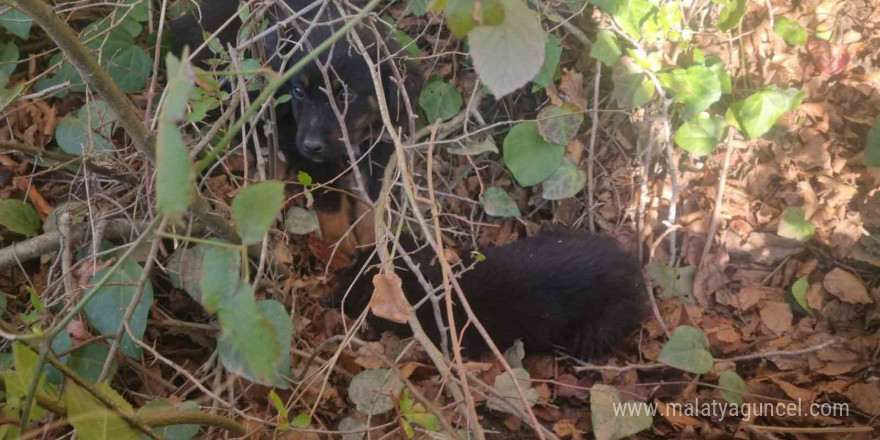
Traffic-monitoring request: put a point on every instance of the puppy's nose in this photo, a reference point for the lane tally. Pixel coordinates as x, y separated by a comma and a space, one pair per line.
313, 146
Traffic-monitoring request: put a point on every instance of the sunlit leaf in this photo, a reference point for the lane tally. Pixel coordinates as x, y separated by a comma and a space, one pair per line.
793, 224
759, 112
700, 135
790, 31
606, 48
697, 87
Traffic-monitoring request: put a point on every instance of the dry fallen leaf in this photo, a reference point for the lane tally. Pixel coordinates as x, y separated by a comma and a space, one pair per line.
846, 286
776, 316
388, 300
865, 396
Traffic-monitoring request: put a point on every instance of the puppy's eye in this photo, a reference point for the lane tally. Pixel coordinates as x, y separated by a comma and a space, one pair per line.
299, 92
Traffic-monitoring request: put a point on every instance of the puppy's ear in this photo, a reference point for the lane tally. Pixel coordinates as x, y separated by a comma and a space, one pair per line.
412, 84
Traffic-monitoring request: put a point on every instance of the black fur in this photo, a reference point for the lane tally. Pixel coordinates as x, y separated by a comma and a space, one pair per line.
562, 289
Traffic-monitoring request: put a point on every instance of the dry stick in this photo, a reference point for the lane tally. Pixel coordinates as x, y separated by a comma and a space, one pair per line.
97, 169
591, 156
649, 286
447, 292
408, 186
719, 204
135, 299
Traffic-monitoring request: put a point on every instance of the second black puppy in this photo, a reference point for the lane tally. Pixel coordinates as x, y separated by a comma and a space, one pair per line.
571, 290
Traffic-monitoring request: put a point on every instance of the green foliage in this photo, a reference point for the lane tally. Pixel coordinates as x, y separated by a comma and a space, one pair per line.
872, 145
175, 432
675, 281
790, 31
8, 59
440, 100
88, 361
510, 54
529, 157
74, 137
283, 422
16, 23
18, 381
92, 419
631, 14
798, 293
608, 423
255, 209
606, 48
552, 52
632, 87
731, 14
220, 273
414, 412
735, 387
497, 203
759, 112
565, 182
175, 175
697, 87
560, 124
701, 135
687, 350
793, 224
19, 217
106, 309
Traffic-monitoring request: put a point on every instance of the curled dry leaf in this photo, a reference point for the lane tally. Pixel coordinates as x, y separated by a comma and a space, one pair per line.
388, 300
846, 286
829, 59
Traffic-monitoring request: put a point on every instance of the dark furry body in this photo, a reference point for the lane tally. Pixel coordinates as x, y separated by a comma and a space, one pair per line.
562, 289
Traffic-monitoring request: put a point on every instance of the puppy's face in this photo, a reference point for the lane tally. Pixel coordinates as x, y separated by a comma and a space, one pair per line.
320, 135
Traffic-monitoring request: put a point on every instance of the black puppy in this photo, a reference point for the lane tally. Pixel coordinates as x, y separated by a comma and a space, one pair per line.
562, 289
333, 108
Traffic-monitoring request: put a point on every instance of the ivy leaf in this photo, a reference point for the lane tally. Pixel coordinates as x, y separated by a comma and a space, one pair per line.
248, 343
631, 15
697, 87
716, 65
88, 361
92, 419
219, 275
736, 387
606, 48
872, 145
529, 157
497, 203
700, 136
565, 182
632, 87
794, 225
732, 14
440, 100
19, 217
560, 124
106, 309
552, 52
255, 209
790, 31
74, 137
687, 350
508, 55
460, 17
608, 422
17, 23
759, 112
130, 68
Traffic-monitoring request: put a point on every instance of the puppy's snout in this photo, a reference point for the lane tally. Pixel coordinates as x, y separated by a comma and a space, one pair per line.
313, 147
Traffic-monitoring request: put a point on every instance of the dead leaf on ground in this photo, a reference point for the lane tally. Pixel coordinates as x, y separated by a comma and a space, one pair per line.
776, 316
388, 300
846, 286
865, 396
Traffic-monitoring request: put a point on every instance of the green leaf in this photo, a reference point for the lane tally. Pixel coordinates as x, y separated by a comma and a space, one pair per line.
17, 23
180, 84
302, 421
732, 14
417, 7
697, 87
175, 432
631, 15
372, 390
687, 350
300, 221
872, 145
19, 217
248, 343
508, 55
606, 48
175, 175
106, 309
799, 295
220, 276
130, 68
92, 419
74, 137
304, 178
701, 135
280, 320
88, 361
632, 87
440, 100
460, 17
283, 422
415, 412
716, 65
565, 182
759, 112
609, 6
497, 203
605, 415
99, 116
560, 124
8, 61
506, 388
675, 281
552, 52
735, 387
790, 31
793, 224
255, 209
408, 44
529, 157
